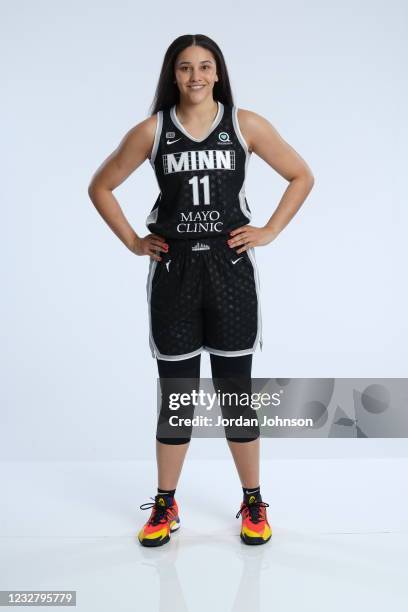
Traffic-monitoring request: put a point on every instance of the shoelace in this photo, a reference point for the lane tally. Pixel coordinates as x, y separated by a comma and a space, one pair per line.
159, 514
253, 510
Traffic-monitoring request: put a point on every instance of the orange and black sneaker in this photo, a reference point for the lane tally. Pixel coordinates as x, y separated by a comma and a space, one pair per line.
163, 520
255, 528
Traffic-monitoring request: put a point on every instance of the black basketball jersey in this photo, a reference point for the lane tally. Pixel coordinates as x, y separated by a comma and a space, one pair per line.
201, 180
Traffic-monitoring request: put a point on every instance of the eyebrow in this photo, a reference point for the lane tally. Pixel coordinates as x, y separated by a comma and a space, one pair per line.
202, 62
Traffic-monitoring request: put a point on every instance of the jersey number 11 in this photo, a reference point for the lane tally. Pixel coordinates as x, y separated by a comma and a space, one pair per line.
205, 180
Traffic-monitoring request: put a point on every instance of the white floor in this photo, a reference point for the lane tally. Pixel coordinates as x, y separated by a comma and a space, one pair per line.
340, 536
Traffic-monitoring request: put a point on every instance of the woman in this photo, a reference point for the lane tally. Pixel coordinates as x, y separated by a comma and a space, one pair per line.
202, 285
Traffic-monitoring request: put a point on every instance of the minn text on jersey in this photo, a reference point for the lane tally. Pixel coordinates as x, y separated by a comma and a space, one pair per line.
187, 161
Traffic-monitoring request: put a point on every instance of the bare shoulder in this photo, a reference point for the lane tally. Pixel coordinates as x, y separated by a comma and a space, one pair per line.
246, 116
134, 148
137, 144
140, 138
252, 125
263, 139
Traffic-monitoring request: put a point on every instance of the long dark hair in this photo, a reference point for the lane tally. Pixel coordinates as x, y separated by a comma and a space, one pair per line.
167, 93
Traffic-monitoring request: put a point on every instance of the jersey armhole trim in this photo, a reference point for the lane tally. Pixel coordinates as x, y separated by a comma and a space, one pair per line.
157, 135
238, 130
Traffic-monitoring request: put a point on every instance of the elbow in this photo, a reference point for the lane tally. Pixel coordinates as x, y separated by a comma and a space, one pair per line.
93, 193
97, 186
309, 179
306, 177
93, 189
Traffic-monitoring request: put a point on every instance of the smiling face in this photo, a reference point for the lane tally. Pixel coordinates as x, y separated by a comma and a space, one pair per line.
195, 72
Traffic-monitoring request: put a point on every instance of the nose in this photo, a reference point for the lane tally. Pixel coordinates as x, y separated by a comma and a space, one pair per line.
194, 75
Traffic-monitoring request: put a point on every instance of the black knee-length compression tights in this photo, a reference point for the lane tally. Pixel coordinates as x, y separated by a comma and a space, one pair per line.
229, 374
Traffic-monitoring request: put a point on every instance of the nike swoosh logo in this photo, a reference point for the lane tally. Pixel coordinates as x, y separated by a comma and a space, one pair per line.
236, 260
173, 141
167, 265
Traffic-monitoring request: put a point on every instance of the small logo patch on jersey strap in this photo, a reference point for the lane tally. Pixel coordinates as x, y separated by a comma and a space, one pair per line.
200, 246
170, 134
224, 137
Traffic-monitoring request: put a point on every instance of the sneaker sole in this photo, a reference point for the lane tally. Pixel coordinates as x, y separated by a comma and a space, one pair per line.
151, 543
254, 541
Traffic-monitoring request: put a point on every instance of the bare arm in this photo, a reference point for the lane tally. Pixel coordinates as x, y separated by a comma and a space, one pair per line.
263, 139
134, 148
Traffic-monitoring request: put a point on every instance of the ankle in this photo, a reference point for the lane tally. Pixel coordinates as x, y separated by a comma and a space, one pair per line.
166, 492
250, 492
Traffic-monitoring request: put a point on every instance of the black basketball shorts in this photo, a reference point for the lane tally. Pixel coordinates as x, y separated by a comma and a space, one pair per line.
203, 295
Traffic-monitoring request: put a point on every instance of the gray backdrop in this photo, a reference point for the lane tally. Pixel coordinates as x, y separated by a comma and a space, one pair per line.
78, 377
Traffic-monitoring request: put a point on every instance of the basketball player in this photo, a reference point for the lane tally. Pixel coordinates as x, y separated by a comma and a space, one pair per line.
203, 288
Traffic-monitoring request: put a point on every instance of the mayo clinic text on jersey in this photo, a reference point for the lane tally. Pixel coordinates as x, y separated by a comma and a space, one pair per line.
202, 221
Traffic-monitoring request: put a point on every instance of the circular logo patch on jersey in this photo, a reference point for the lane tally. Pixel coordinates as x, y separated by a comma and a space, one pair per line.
223, 137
